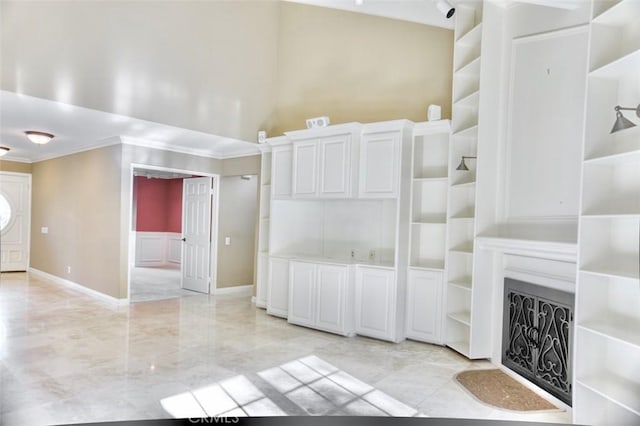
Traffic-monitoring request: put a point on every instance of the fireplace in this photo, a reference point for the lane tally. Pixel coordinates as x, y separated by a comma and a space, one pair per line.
537, 335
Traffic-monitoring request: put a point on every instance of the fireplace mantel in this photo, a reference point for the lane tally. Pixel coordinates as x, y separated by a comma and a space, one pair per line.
545, 249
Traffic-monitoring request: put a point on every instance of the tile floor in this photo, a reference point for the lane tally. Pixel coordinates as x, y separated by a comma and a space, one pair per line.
65, 357
156, 284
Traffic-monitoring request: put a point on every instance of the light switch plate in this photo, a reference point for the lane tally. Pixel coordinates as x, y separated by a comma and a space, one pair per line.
44, 230
227, 241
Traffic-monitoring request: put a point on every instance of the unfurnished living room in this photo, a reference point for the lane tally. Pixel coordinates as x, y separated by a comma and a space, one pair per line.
217, 210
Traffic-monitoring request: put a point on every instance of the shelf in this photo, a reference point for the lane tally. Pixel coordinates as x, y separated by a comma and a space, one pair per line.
461, 317
469, 132
439, 179
618, 14
632, 156
431, 264
616, 389
616, 327
426, 268
626, 65
628, 270
604, 215
433, 219
463, 184
471, 69
465, 214
463, 284
463, 248
266, 185
470, 101
460, 346
471, 37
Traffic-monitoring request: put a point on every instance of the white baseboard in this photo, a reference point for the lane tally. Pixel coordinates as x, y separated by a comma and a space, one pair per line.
253, 300
238, 290
77, 287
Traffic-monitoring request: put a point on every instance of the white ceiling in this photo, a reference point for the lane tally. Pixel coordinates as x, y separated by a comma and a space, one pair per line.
79, 129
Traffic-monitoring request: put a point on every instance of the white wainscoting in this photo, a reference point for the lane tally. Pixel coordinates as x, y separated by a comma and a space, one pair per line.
155, 249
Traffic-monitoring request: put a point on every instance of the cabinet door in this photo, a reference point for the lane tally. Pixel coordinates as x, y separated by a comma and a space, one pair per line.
424, 306
335, 167
262, 280
375, 302
302, 276
305, 163
331, 298
281, 172
278, 288
379, 165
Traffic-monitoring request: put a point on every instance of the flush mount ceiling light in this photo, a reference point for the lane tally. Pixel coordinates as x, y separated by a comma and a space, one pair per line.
4, 150
463, 165
39, 138
445, 8
621, 122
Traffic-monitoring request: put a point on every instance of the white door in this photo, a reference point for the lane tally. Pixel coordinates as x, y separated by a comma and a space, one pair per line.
379, 165
424, 306
305, 160
278, 287
375, 302
302, 276
281, 172
196, 233
15, 209
335, 166
331, 293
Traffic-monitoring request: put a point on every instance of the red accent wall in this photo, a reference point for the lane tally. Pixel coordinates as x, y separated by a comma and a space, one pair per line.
158, 205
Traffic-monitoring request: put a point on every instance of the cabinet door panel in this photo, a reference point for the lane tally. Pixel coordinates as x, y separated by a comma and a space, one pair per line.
305, 159
278, 288
424, 306
379, 155
281, 172
301, 293
375, 303
335, 166
262, 280
331, 294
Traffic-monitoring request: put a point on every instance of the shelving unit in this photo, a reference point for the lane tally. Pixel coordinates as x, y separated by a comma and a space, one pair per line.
606, 379
462, 184
430, 154
428, 236
262, 265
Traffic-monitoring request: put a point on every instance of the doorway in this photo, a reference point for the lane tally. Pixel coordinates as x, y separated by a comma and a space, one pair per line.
171, 245
15, 216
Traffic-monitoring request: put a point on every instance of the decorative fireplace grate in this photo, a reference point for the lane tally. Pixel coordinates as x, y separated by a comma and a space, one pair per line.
537, 335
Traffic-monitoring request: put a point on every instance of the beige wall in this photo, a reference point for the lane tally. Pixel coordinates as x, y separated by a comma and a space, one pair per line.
355, 67
237, 219
241, 166
14, 166
78, 198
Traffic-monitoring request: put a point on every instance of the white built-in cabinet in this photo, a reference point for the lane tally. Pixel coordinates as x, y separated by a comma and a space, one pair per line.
607, 339
375, 304
424, 305
281, 164
320, 296
278, 287
379, 163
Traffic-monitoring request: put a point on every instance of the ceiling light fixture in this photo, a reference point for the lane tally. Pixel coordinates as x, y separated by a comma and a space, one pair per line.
39, 138
621, 122
463, 165
4, 150
445, 8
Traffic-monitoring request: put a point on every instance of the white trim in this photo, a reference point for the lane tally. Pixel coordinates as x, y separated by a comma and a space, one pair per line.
552, 250
29, 177
241, 152
239, 289
77, 287
111, 141
558, 282
253, 300
9, 157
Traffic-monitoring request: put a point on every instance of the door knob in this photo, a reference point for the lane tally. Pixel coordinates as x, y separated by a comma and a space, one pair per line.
184, 239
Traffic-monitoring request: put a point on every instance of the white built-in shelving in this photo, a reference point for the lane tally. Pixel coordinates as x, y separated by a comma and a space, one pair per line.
606, 377
459, 287
262, 264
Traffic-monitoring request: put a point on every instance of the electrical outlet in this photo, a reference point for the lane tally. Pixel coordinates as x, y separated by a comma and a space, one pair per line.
372, 255
227, 241
68, 269
353, 254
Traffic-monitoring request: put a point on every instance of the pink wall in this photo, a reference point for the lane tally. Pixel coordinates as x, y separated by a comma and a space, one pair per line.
158, 205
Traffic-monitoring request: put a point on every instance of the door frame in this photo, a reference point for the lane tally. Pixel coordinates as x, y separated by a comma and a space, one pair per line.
213, 270
29, 177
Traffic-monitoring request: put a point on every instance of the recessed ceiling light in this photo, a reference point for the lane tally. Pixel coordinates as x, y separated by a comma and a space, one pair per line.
39, 138
4, 150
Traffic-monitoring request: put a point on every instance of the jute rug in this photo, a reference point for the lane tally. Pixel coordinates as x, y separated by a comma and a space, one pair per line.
498, 389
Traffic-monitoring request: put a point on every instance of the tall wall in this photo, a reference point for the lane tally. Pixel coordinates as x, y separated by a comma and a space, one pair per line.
78, 198
14, 166
158, 204
355, 67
